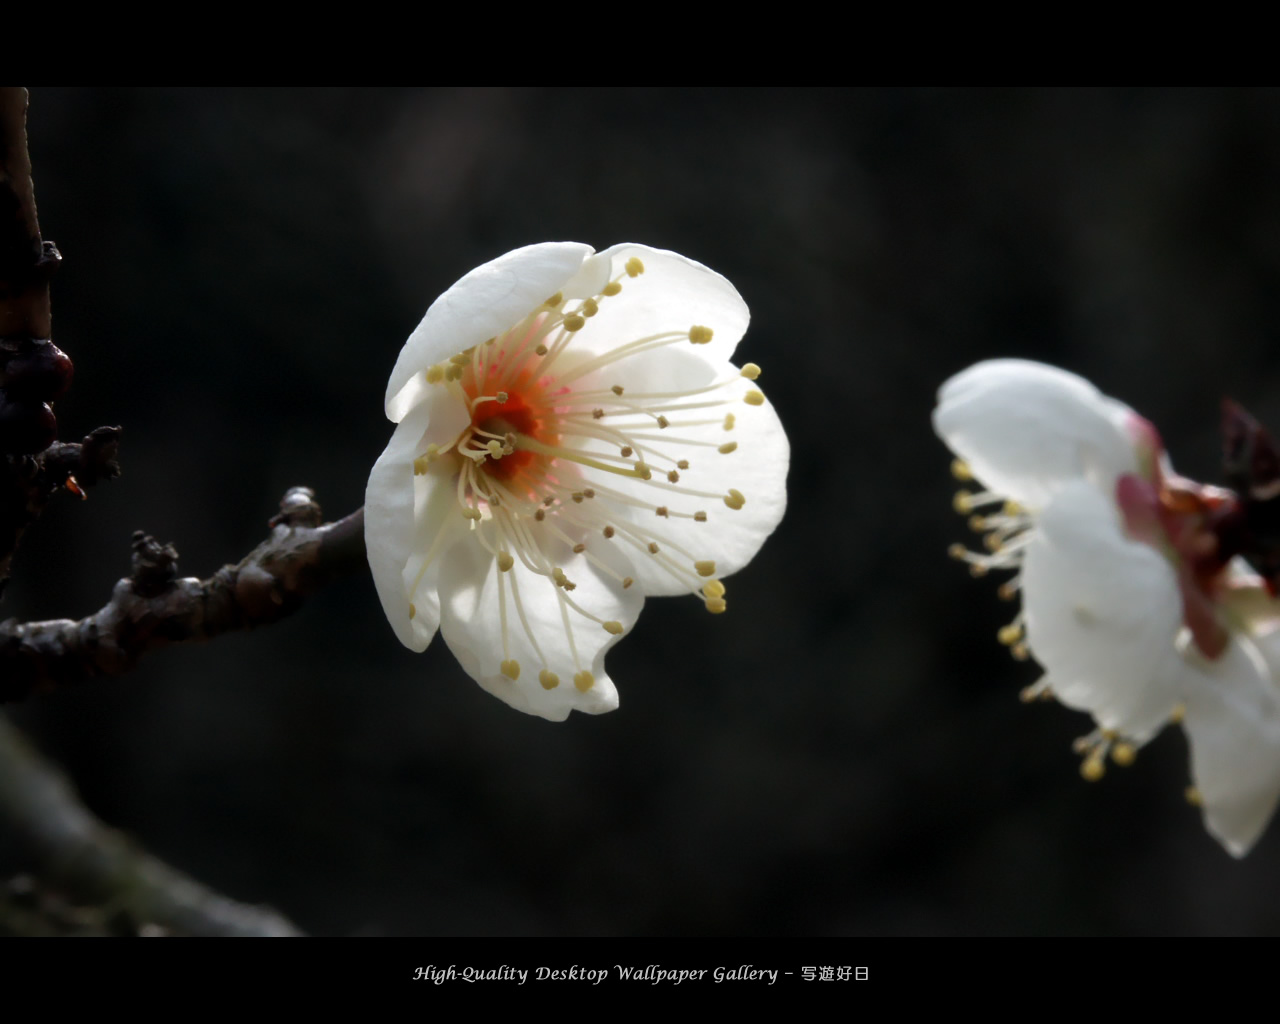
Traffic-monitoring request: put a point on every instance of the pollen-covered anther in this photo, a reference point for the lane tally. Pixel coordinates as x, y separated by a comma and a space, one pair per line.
505, 561
653, 547
1124, 754
729, 420
555, 300
597, 414
682, 464
662, 511
634, 267
541, 349
705, 567
561, 580
453, 372
540, 514
1036, 691
1192, 796
626, 451
962, 502
435, 374
548, 679
1010, 634
1007, 590
495, 449
614, 627
754, 398
574, 323
577, 497
727, 447
1093, 768
699, 517
751, 371
583, 681
700, 335
420, 465
673, 476
663, 422
1020, 650
579, 548
511, 669
472, 513
612, 288
617, 390
588, 492
626, 582
608, 532
734, 499
643, 471
960, 470
589, 307
502, 397
716, 605
978, 524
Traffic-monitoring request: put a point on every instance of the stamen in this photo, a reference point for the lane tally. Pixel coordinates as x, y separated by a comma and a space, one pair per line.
754, 398
751, 371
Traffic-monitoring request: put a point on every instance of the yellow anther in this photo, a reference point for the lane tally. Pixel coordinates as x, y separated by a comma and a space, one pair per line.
977, 524
612, 288
1007, 590
1092, 768
579, 548
491, 341
505, 561
574, 323
962, 502
727, 447
705, 567
511, 669
729, 421
682, 464
1034, 692
1123, 754
577, 497
435, 374
1177, 714
751, 371
589, 307
960, 470
957, 551
608, 532
713, 588
613, 627
1193, 796
617, 390
588, 492
420, 465
501, 396
583, 681
461, 358
471, 512
734, 499
1020, 651
643, 471
663, 422
540, 515
626, 451
540, 349
653, 547
627, 582
453, 372
560, 578
992, 542
716, 605
555, 300
754, 398
700, 335
1012, 508
1009, 635
495, 449
634, 267
412, 610
673, 476
699, 517
548, 679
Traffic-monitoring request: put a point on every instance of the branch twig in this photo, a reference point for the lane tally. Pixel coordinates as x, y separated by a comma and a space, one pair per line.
153, 608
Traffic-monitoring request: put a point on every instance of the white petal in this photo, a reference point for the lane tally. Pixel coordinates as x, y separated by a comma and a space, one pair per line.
1026, 428
481, 305
1102, 613
673, 294
404, 512
757, 468
471, 623
1233, 723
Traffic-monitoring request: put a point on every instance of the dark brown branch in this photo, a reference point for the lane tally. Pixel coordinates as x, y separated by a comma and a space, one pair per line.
98, 881
153, 608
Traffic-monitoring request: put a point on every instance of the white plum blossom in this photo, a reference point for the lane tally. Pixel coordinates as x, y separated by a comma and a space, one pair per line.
572, 438
1131, 603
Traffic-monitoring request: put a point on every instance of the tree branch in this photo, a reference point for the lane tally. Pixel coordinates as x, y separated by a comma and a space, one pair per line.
152, 608
115, 886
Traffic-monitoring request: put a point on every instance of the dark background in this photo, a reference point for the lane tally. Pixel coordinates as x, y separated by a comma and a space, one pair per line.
843, 753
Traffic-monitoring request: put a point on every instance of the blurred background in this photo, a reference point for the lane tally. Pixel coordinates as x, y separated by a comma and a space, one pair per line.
845, 752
